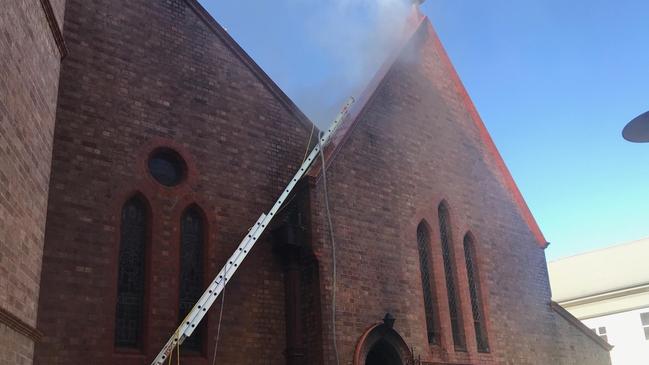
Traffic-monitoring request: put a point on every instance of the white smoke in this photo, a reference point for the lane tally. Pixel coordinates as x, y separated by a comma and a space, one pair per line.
357, 36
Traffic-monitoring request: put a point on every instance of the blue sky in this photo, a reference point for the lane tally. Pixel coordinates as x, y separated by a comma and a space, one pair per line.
555, 82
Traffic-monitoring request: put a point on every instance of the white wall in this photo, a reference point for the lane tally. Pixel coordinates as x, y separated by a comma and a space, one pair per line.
625, 332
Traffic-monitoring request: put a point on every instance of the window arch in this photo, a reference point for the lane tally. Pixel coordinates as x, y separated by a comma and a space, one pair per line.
450, 272
427, 281
129, 314
474, 291
192, 237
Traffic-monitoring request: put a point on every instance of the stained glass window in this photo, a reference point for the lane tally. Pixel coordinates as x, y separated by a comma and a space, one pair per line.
474, 290
425, 267
191, 270
130, 286
167, 167
450, 273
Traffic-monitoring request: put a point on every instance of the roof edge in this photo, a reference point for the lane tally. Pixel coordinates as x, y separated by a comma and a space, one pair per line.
580, 325
220, 32
343, 132
641, 241
489, 143
358, 109
613, 293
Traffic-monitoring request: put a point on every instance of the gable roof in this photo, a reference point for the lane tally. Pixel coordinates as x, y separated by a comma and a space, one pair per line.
591, 274
259, 73
420, 23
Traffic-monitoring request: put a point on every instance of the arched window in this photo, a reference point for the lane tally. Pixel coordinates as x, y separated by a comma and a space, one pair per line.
427, 281
191, 269
451, 275
474, 290
129, 317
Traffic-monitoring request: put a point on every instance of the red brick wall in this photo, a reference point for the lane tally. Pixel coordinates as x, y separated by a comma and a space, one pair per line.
16, 349
145, 74
416, 145
29, 74
142, 74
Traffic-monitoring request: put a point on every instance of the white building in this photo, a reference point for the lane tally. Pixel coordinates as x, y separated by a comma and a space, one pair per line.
608, 290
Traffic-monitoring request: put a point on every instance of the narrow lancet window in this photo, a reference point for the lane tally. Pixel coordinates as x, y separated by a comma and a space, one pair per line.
451, 275
129, 317
427, 281
191, 270
474, 290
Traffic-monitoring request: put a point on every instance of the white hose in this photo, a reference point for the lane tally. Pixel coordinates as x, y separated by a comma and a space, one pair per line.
333, 248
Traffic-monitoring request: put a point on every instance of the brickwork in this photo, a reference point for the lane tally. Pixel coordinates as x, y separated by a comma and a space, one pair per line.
21, 348
145, 74
29, 73
142, 74
312, 316
416, 144
575, 347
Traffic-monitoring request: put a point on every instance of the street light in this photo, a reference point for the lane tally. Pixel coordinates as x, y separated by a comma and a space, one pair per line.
638, 129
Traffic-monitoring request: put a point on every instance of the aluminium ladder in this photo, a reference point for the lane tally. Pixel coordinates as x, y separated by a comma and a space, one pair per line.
194, 317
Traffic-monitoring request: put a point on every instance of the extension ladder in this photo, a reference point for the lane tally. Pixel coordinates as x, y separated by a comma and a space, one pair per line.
194, 317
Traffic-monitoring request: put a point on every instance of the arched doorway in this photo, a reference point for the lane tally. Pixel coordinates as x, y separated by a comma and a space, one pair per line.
383, 353
380, 344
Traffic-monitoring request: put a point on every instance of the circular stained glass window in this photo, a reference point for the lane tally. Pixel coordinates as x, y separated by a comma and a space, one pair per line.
167, 167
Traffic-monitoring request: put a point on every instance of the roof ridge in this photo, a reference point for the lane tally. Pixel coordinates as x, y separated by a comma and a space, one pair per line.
605, 248
261, 75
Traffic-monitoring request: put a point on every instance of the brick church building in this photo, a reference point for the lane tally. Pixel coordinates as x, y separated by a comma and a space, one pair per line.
138, 144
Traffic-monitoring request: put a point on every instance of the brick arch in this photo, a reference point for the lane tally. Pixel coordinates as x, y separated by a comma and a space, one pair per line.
443, 204
183, 206
373, 335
